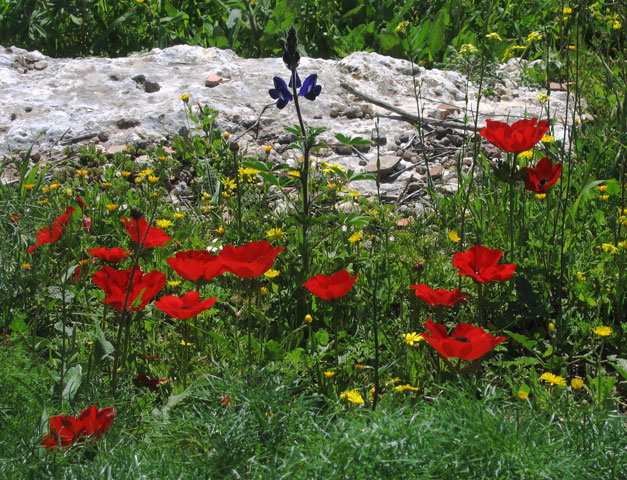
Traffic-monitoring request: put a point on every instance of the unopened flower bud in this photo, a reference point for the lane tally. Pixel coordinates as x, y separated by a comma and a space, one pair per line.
136, 213
419, 266
291, 57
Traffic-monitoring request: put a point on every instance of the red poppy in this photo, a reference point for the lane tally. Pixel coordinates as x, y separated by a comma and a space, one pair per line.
150, 383
440, 296
225, 401
249, 260
329, 287
182, 308
52, 233
466, 342
81, 202
137, 231
115, 284
111, 255
480, 263
196, 265
520, 137
66, 430
539, 179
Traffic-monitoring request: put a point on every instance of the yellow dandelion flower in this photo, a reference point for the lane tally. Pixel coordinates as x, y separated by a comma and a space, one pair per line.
162, 158
567, 10
272, 273
267, 148
403, 388
81, 172
29, 186
603, 331
604, 197
185, 97
139, 179
572, 47
528, 154
43, 202
263, 291
308, 318
174, 283
540, 196
163, 223
227, 195
352, 396
43, 189
274, 233
576, 383
294, 173
26, 265
551, 327
609, 248
413, 338
329, 374
354, 193
553, 379
125, 173
54, 186
331, 185
355, 237
178, 215
155, 194
547, 139
219, 230
523, 394
453, 236
145, 173
153, 179
226, 134
602, 188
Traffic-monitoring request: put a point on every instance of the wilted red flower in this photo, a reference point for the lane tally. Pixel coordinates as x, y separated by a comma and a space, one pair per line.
440, 296
519, 137
52, 233
87, 223
137, 230
111, 255
115, 284
150, 383
66, 430
329, 287
539, 179
182, 308
225, 401
466, 342
196, 265
81, 202
250, 260
480, 263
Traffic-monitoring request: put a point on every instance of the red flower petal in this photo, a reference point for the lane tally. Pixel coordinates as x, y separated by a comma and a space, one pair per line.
329, 287
183, 308
249, 260
466, 341
138, 230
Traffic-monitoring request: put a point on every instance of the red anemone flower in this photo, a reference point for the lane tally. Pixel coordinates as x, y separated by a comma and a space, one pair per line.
329, 287
480, 263
182, 308
249, 260
137, 230
196, 265
466, 342
66, 430
440, 296
519, 137
539, 179
52, 233
112, 255
115, 284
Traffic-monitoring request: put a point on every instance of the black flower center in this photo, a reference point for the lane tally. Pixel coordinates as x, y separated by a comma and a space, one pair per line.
461, 339
542, 182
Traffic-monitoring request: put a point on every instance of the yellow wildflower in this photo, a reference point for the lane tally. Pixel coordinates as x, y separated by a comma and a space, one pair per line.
534, 36
162, 158
528, 154
413, 338
139, 179
572, 47
602, 188
576, 383
551, 327
360, 366
226, 134
29, 186
247, 172
153, 179
355, 237
105, 184
623, 244
540, 196
329, 374
543, 98
263, 290
54, 186
352, 396
229, 183
547, 139
402, 27
185, 97
227, 195
581, 277
174, 283
272, 273
609, 248
553, 379
178, 215
145, 172
402, 388
468, 49
354, 193
275, 233
219, 230
567, 10
81, 172
494, 36
453, 236
294, 173
43, 189
308, 318
163, 223
267, 148
603, 331
43, 202
523, 394
26, 265
604, 197
125, 173
186, 344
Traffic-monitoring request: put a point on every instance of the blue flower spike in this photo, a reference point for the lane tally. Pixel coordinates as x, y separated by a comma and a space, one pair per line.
280, 93
310, 90
298, 84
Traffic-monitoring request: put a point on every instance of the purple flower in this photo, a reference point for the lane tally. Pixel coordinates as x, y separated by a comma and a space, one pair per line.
280, 92
310, 90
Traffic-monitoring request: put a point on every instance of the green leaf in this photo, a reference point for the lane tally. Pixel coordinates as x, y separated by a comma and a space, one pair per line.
437, 31
104, 348
72, 382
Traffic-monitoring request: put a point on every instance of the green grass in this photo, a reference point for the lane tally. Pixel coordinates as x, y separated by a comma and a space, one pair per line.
276, 427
